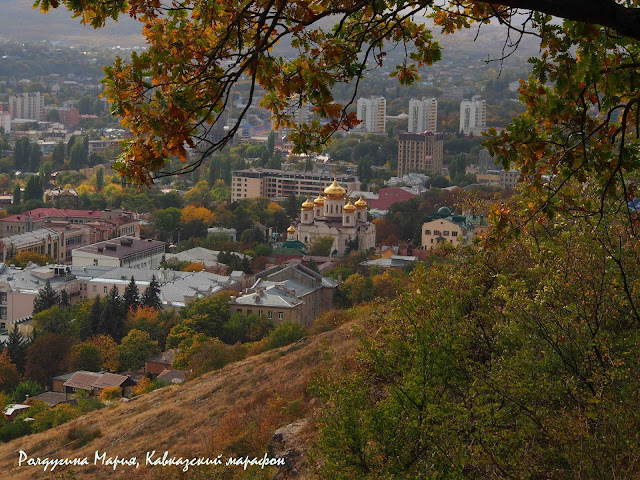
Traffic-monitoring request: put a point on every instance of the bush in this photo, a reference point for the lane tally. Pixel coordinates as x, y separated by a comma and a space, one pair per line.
52, 418
147, 385
90, 404
15, 429
214, 355
284, 334
328, 321
80, 436
111, 393
30, 388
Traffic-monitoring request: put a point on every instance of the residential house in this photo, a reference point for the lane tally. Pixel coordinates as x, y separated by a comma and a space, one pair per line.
295, 293
160, 362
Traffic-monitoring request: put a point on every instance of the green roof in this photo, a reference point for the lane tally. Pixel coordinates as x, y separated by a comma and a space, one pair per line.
289, 252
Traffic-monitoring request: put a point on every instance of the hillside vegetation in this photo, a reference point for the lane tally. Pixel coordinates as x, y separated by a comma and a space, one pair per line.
233, 411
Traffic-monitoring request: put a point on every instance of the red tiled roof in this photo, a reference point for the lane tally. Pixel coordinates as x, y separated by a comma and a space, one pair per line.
40, 213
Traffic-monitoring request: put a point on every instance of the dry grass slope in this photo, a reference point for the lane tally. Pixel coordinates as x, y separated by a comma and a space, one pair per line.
232, 411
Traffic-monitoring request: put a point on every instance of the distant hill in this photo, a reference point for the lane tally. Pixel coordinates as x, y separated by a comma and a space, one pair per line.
235, 409
20, 22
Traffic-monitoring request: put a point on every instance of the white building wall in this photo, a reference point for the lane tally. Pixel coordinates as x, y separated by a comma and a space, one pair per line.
423, 115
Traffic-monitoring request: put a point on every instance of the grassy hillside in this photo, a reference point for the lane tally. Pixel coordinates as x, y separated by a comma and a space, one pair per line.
233, 410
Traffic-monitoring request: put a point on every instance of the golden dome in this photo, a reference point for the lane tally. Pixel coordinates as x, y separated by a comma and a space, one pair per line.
335, 191
291, 229
360, 204
307, 205
319, 201
349, 208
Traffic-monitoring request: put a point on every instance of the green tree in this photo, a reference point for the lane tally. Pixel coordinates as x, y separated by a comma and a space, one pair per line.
79, 155
131, 297
321, 246
100, 179
46, 298
21, 153
57, 156
151, 296
112, 315
135, 348
85, 356
17, 195
17, 348
26, 389
35, 158
33, 190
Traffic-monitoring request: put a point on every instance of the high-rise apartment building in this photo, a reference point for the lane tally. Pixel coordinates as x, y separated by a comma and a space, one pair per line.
473, 115
420, 152
271, 183
28, 106
372, 112
423, 115
5, 122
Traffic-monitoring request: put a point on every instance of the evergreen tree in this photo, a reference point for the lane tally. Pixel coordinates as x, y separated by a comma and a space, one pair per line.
17, 195
131, 298
46, 298
57, 156
33, 190
17, 348
64, 300
112, 316
246, 265
99, 179
151, 296
21, 152
92, 323
35, 158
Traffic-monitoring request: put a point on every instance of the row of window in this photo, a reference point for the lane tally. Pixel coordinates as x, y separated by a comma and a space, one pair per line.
444, 234
260, 313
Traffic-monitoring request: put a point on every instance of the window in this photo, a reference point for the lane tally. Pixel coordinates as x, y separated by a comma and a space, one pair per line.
454, 234
105, 289
280, 315
270, 315
95, 261
259, 313
436, 232
95, 289
427, 232
446, 233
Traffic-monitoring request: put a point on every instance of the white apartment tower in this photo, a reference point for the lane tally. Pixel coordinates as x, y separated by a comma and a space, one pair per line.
473, 115
371, 112
423, 115
27, 106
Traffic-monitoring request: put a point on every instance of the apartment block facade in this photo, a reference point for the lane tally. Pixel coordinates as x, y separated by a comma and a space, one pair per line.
28, 106
420, 152
423, 115
271, 183
473, 116
372, 112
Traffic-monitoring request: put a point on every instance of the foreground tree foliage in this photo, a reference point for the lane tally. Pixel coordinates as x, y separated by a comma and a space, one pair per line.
511, 362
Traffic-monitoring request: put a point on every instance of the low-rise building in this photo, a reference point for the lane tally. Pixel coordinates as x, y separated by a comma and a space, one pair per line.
445, 227
120, 252
104, 224
295, 293
43, 241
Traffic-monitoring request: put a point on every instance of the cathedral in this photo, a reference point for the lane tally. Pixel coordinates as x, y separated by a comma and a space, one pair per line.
330, 216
